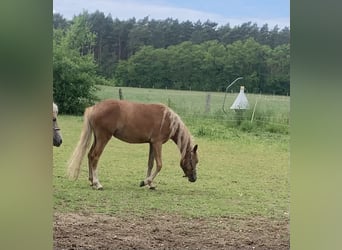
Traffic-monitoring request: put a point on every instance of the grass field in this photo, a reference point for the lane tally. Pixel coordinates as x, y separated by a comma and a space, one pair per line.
241, 174
271, 112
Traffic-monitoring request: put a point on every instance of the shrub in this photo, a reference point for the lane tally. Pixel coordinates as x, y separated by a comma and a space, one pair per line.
74, 68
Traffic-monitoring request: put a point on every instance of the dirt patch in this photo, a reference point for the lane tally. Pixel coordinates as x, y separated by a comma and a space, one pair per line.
95, 231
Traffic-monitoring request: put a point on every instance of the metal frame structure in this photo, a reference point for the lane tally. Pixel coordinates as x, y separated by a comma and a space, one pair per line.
225, 96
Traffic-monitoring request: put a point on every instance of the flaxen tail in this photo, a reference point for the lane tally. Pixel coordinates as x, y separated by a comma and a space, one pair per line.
75, 162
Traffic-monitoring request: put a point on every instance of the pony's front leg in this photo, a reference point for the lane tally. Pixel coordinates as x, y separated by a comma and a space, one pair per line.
155, 152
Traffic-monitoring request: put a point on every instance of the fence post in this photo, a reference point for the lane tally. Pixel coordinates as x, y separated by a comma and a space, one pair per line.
120, 94
254, 110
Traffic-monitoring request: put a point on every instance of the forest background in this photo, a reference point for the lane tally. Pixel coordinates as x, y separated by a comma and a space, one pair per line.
93, 49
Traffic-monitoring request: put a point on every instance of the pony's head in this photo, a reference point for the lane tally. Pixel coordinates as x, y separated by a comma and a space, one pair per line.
57, 136
189, 163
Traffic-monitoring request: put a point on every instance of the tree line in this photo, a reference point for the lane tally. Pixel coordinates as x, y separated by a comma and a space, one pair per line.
209, 66
173, 54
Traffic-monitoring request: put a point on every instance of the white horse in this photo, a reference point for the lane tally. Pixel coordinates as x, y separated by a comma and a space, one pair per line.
57, 136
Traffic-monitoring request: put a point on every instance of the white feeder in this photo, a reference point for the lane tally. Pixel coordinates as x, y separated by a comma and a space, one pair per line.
241, 101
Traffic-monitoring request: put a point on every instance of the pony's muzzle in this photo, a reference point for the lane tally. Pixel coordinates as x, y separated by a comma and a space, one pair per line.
192, 179
57, 143
57, 139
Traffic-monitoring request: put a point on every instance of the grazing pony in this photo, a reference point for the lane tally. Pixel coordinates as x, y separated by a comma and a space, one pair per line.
57, 136
133, 123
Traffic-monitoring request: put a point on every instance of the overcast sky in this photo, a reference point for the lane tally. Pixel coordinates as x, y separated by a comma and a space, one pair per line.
234, 12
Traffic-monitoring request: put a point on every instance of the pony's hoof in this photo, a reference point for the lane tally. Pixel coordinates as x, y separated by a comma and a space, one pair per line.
142, 183
152, 188
97, 187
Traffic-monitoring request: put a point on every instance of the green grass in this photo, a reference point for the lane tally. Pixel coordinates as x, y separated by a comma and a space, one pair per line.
243, 169
240, 174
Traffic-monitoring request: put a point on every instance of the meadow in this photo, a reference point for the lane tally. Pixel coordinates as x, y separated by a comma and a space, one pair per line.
271, 113
243, 169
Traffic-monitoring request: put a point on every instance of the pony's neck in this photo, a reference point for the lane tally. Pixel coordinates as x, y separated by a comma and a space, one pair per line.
179, 132
182, 139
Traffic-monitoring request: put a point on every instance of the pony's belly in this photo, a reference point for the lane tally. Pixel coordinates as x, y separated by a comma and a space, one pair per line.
131, 137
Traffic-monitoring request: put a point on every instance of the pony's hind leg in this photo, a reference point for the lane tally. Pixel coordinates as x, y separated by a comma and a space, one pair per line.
149, 167
156, 150
90, 168
93, 159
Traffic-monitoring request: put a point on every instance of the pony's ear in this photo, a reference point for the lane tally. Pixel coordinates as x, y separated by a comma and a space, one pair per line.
195, 148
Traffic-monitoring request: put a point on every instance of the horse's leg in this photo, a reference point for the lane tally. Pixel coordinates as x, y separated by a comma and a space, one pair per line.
157, 150
93, 158
149, 165
90, 168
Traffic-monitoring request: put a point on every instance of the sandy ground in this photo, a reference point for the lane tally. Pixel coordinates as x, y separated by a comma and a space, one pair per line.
96, 231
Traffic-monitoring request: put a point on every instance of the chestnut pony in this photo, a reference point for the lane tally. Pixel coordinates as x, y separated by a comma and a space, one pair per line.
133, 123
57, 136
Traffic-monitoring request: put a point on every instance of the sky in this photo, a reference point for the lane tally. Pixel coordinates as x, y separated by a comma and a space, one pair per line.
234, 12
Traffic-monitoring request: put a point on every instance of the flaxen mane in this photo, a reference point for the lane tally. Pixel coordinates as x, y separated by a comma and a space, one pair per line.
178, 131
57, 136
55, 109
